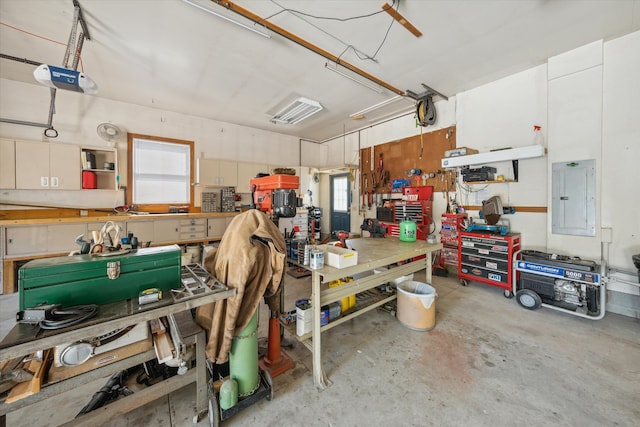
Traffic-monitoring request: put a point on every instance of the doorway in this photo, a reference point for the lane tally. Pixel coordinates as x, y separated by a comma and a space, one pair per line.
340, 203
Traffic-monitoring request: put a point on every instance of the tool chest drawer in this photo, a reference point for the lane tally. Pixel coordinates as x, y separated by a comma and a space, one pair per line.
450, 227
488, 258
485, 262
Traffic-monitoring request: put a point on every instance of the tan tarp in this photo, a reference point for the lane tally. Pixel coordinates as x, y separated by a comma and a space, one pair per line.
251, 258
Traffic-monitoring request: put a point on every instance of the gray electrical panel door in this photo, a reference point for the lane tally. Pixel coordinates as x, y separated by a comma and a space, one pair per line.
573, 204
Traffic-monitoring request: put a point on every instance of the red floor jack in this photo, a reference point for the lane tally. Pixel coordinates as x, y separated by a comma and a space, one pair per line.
276, 361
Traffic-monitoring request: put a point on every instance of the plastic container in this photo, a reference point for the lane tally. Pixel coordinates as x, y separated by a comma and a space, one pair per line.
538, 137
89, 180
408, 231
349, 302
228, 394
417, 305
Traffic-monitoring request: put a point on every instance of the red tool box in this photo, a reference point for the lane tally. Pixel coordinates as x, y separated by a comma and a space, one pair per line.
488, 258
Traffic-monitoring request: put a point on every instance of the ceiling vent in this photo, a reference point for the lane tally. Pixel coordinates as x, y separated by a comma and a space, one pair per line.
297, 111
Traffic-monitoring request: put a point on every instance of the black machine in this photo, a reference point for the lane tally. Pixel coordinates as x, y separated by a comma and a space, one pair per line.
565, 283
484, 173
373, 226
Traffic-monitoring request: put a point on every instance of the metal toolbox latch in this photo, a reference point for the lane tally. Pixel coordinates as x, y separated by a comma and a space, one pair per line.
113, 270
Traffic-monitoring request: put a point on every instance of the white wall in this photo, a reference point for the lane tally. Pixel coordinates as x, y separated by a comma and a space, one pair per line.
346, 150
575, 130
620, 153
586, 101
502, 114
77, 117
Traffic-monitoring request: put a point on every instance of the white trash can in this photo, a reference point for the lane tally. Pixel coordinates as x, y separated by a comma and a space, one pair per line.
417, 305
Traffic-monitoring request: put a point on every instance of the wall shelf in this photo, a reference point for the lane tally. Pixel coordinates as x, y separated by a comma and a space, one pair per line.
495, 181
527, 152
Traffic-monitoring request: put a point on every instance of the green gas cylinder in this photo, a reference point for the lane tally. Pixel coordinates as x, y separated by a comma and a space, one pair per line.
407, 231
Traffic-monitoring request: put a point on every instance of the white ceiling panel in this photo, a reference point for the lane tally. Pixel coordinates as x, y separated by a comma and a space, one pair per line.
171, 55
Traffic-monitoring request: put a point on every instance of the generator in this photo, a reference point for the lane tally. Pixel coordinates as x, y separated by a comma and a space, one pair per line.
560, 282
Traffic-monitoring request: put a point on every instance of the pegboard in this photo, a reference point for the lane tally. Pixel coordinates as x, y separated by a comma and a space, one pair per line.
393, 161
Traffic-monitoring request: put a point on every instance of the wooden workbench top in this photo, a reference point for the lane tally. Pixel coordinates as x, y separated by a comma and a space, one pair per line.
114, 217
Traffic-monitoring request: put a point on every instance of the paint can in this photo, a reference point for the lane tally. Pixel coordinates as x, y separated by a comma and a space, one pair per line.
316, 260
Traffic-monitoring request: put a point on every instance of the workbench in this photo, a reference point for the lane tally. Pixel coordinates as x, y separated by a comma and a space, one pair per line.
112, 317
373, 253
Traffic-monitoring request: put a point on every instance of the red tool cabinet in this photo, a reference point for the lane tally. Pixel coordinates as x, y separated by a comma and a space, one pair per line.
417, 207
488, 258
451, 225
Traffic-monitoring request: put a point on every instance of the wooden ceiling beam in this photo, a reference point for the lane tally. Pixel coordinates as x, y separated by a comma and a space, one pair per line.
401, 19
229, 5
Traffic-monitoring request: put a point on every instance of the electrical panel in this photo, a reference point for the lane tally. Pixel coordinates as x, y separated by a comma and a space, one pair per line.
573, 203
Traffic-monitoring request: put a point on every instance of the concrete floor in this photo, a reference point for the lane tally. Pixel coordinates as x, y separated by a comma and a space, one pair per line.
488, 362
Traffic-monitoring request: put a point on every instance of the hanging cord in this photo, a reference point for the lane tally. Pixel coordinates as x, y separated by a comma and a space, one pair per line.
70, 316
47, 39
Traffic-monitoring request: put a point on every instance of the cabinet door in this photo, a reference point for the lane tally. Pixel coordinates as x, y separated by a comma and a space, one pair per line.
166, 230
32, 165
216, 227
7, 164
143, 230
208, 171
61, 237
228, 173
26, 240
64, 167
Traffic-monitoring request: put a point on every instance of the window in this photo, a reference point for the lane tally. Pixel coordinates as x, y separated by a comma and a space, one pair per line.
341, 194
160, 172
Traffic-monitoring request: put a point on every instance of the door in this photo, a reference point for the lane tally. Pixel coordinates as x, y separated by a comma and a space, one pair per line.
340, 203
65, 169
32, 159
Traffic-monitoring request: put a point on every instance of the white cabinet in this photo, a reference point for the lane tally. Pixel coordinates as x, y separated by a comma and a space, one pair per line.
217, 226
166, 230
248, 171
43, 165
216, 172
50, 239
7, 164
143, 230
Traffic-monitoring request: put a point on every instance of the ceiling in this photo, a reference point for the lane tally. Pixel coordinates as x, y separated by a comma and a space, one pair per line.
170, 55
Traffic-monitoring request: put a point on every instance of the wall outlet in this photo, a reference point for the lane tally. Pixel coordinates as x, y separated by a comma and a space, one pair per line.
84, 212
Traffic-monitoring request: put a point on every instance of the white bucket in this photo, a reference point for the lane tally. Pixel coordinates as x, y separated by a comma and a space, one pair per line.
194, 251
205, 251
417, 305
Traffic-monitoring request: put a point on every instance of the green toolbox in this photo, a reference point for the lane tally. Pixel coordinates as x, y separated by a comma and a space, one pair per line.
98, 278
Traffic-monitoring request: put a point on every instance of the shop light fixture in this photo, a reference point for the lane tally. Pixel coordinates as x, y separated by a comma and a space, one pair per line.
226, 18
360, 114
360, 82
297, 111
